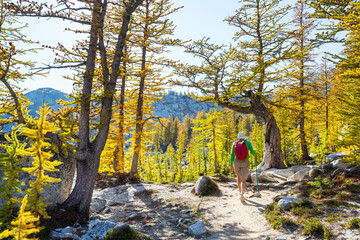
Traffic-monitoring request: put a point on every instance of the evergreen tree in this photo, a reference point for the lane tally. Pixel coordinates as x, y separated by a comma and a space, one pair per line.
24, 224
154, 29
304, 45
40, 151
10, 168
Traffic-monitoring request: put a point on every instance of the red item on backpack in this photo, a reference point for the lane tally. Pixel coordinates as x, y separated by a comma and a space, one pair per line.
241, 151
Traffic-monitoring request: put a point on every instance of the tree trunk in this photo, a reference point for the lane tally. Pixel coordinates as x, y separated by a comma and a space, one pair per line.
80, 197
214, 148
273, 157
139, 109
88, 153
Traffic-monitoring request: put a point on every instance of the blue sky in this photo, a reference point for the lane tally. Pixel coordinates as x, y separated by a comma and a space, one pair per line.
197, 19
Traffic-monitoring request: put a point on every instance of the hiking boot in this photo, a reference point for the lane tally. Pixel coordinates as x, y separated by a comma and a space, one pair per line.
242, 199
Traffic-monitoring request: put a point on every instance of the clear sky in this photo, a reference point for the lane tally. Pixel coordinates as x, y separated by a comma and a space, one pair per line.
197, 19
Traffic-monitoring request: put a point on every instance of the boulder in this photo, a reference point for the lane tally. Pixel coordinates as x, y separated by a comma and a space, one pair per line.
314, 172
279, 172
197, 228
124, 193
338, 164
98, 229
121, 231
262, 178
296, 169
56, 192
97, 204
205, 186
299, 176
335, 156
285, 203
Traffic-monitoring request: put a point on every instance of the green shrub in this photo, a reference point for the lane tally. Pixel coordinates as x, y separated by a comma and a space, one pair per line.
323, 183
314, 227
349, 185
332, 203
273, 214
124, 233
353, 223
332, 218
322, 193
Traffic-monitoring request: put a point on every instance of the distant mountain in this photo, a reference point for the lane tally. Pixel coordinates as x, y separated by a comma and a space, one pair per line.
44, 95
172, 104
179, 106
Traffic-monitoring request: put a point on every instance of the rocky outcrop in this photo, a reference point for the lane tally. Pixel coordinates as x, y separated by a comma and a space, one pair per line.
301, 173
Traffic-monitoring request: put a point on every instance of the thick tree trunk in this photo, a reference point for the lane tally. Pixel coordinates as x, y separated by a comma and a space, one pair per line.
88, 153
80, 197
273, 157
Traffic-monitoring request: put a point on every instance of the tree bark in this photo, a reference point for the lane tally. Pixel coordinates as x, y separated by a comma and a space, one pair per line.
88, 153
140, 102
273, 157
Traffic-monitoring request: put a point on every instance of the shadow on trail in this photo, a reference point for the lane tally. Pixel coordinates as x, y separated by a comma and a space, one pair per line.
170, 214
252, 203
236, 232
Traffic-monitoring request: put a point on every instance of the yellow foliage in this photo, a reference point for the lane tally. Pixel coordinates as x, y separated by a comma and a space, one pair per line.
40, 150
24, 224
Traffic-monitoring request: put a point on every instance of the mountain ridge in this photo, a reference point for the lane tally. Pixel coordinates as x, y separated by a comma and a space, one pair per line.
171, 104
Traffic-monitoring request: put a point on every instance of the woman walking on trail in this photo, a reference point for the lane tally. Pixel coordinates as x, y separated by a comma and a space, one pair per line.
240, 152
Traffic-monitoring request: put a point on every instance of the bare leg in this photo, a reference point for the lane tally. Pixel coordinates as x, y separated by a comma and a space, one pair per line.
239, 183
243, 186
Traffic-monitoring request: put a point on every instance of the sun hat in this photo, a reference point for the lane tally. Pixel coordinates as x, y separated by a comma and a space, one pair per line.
241, 135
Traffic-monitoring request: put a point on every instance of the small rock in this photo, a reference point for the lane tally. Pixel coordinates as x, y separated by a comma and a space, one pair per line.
134, 215
197, 228
285, 203
261, 209
353, 211
227, 225
285, 237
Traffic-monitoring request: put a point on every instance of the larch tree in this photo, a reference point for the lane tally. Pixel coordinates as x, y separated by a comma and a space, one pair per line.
302, 64
263, 50
89, 148
239, 78
345, 18
155, 30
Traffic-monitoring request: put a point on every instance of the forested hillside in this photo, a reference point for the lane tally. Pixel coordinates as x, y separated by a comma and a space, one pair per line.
288, 78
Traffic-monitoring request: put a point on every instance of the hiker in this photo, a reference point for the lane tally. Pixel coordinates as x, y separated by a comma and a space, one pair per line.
241, 163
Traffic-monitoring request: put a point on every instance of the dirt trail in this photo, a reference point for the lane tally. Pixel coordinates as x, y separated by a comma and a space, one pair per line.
225, 217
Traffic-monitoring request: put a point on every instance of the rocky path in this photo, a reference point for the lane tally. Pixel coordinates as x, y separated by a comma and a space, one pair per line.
225, 217
167, 211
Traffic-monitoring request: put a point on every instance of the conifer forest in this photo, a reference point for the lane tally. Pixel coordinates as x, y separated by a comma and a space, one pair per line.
288, 78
